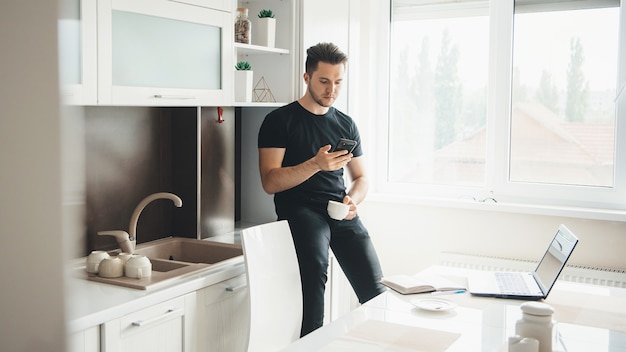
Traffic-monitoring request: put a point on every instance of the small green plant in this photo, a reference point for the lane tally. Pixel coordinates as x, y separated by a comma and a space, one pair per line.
243, 66
266, 14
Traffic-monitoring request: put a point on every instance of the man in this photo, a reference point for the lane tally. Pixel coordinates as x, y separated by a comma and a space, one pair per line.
297, 166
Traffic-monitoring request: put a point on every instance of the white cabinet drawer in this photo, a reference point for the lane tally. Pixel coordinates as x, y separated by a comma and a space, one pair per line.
166, 327
153, 316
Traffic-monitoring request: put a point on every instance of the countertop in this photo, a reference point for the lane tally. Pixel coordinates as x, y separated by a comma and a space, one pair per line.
589, 317
92, 303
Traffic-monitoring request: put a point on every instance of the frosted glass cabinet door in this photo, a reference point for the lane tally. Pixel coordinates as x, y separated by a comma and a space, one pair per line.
77, 51
163, 53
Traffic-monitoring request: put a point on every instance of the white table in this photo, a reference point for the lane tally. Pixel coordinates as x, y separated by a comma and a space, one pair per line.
590, 318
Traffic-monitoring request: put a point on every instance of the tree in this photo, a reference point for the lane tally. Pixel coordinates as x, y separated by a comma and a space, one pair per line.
447, 93
577, 85
547, 93
424, 78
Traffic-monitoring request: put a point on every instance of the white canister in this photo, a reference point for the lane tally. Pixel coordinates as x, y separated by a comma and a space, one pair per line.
537, 323
523, 344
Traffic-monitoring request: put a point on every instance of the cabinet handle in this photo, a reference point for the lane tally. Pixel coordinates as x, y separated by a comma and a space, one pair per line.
236, 288
173, 97
170, 312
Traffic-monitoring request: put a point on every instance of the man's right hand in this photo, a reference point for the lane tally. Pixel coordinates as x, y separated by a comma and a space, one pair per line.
330, 161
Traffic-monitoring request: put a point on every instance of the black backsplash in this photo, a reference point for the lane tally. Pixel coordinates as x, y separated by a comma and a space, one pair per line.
132, 152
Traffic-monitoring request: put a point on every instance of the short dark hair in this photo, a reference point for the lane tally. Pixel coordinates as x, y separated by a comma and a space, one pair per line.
323, 52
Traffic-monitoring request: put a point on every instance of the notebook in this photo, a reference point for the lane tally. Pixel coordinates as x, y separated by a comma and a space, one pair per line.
533, 285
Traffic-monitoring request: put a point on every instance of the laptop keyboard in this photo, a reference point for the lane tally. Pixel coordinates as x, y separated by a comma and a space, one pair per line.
511, 283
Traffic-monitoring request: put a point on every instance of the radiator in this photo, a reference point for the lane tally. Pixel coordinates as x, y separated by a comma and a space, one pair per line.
574, 273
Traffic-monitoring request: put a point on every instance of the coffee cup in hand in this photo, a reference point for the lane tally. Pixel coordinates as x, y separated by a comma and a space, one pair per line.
337, 210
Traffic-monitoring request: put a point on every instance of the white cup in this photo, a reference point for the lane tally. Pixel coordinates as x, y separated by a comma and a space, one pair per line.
124, 256
138, 266
111, 267
93, 261
337, 210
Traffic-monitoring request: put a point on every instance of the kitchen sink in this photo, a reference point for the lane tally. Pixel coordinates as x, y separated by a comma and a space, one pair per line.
189, 250
175, 257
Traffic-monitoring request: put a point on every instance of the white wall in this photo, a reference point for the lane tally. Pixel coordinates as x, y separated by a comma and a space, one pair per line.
410, 237
325, 21
31, 239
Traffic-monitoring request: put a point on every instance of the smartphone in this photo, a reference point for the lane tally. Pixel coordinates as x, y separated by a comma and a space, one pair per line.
345, 144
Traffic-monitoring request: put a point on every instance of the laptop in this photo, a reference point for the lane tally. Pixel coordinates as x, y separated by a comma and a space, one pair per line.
533, 285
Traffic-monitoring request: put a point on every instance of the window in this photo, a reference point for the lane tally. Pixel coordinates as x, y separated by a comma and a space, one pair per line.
562, 111
439, 100
510, 100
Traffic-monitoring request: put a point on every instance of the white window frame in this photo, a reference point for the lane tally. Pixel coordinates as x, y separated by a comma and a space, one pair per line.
566, 200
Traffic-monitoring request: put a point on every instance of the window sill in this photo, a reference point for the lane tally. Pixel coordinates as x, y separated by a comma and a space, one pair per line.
519, 208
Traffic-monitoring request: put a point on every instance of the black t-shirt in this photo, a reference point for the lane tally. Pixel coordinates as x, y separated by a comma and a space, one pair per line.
302, 133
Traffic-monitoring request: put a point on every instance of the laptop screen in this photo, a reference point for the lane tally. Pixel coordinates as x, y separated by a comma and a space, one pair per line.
554, 259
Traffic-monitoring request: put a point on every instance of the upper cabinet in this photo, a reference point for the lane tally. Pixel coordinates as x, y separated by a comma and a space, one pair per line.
275, 69
163, 53
224, 5
77, 51
175, 53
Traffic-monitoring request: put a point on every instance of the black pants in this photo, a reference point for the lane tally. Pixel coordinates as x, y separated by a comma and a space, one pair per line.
313, 233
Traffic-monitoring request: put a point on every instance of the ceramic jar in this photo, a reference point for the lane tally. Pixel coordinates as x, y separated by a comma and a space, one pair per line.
537, 323
523, 344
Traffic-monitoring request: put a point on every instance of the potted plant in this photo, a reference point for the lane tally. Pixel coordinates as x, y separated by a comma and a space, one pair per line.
266, 30
243, 82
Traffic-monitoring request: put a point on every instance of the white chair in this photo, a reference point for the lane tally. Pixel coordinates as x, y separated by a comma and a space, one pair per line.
275, 288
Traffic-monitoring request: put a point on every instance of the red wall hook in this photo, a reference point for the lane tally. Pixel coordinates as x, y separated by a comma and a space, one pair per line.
220, 112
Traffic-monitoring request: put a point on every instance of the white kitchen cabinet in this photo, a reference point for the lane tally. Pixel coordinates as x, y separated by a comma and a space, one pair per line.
164, 327
77, 52
212, 4
87, 340
223, 316
164, 53
279, 66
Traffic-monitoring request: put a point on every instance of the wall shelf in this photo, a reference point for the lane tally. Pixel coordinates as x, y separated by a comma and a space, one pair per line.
247, 49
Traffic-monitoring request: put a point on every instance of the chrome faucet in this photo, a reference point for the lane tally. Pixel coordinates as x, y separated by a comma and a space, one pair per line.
128, 240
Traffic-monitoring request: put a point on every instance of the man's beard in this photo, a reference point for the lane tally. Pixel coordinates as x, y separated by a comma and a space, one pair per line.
317, 99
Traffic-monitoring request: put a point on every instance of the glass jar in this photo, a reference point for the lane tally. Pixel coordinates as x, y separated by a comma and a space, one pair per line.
242, 26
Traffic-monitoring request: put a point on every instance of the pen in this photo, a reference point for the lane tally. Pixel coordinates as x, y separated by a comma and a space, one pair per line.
437, 293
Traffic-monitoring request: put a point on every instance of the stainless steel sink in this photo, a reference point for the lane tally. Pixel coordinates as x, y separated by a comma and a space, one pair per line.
175, 257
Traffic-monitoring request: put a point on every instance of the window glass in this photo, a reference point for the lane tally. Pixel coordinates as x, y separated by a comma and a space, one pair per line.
513, 101
438, 99
563, 91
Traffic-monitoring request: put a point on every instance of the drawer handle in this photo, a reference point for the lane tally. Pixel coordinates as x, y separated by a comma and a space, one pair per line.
179, 97
170, 312
236, 288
